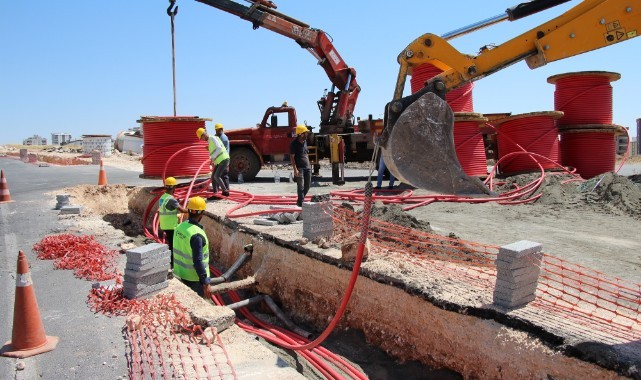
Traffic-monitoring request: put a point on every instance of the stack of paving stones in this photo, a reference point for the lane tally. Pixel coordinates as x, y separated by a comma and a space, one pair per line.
146, 270
62, 200
318, 220
518, 266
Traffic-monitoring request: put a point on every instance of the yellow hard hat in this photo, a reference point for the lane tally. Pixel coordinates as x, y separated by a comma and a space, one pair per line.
200, 131
301, 129
170, 181
196, 204
218, 126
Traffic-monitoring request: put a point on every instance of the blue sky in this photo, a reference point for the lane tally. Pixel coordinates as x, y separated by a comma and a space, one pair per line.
87, 67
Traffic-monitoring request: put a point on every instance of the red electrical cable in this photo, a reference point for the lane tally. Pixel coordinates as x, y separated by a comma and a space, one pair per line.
164, 136
470, 150
590, 152
535, 134
459, 99
584, 98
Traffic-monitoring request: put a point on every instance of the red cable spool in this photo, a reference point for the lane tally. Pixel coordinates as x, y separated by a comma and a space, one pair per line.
535, 132
589, 148
459, 99
468, 142
165, 135
584, 97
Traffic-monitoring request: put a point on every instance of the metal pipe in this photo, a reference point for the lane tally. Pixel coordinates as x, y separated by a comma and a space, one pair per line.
245, 303
476, 26
279, 313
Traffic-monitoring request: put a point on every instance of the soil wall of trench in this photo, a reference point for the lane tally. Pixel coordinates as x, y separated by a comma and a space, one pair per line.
308, 285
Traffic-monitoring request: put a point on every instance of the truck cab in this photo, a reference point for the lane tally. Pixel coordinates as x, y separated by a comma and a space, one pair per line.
268, 142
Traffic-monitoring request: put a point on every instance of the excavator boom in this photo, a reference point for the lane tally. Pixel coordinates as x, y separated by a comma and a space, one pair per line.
590, 25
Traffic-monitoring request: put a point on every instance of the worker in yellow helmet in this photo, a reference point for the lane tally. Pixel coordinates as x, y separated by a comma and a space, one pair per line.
168, 208
299, 158
191, 249
219, 158
219, 129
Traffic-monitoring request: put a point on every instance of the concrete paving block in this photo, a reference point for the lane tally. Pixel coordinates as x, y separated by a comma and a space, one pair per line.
138, 289
514, 304
138, 254
164, 261
136, 258
146, 292
525, 278
147, 272
519, 249
149, 280
512, 286
522, 262
512, 295
265, 222
70, 210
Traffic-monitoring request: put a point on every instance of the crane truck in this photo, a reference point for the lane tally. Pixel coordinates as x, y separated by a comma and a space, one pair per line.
417, 140
338, 138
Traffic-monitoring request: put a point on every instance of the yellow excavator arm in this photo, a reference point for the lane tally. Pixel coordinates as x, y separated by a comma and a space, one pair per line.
590, 25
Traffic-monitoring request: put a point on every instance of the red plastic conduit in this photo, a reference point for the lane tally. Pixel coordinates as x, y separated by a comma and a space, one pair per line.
459, 99
591, 152
164, 136
584, 97
535, 133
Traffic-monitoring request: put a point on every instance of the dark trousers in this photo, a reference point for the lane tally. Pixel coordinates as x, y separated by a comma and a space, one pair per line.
169, 239
220, 176
302, 184
196, 286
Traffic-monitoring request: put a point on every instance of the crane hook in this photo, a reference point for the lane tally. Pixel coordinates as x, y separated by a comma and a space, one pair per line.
171, 13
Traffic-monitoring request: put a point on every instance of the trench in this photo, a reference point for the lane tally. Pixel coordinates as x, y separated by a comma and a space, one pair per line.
390, 329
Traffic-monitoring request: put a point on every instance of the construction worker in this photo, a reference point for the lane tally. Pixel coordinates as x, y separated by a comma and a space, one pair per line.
223, 137
219, 157
168, 208
299, 158
191, 249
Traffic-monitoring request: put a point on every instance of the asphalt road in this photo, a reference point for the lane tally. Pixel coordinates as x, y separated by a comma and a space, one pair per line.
90, 344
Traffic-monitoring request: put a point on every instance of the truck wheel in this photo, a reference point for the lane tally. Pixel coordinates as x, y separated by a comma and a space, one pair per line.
243, 160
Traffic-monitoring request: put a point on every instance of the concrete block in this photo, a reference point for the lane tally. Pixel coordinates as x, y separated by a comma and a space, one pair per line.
163, 261
145, 292
312, 230
525, 278
70, 210
518, 250
265, 222
146, 253
516, 286
512, 295
522, 262
514, 304
129, 288
132, 273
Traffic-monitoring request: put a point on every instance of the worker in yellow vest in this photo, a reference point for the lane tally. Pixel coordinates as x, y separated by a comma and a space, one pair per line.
191, 249
168, 208
219, 157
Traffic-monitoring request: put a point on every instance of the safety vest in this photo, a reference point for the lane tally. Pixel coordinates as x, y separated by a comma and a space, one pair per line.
168, 219
183, 258
217, 150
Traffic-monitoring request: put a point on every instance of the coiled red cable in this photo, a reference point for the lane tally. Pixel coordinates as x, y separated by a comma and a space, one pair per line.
535, 134
459, 99
590, 152
470, 150
584, 97
164, 136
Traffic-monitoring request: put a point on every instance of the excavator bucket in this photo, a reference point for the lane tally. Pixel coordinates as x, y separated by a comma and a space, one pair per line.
418, 146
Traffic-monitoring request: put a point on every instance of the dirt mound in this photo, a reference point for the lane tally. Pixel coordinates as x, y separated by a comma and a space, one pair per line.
616, 194
395, 214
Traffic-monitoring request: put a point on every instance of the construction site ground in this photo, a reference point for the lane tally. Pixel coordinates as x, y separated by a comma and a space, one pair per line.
597, 228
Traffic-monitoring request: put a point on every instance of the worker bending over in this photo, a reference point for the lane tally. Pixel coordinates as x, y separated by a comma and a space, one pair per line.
168, 208
299, 158
219, 157
191, 249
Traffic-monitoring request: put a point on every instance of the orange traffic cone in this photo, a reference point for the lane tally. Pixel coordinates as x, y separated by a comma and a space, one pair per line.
102, 176
28, 336
4, 189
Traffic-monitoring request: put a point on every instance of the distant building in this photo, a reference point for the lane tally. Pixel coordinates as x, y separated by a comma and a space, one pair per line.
60, 138
35, 140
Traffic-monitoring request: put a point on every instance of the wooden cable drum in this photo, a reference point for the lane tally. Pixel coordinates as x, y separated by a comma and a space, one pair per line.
590, 149
534, 132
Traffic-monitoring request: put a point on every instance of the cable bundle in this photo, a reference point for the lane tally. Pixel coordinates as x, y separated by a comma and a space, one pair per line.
164, 136
459, 99
534, 133
468, 142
